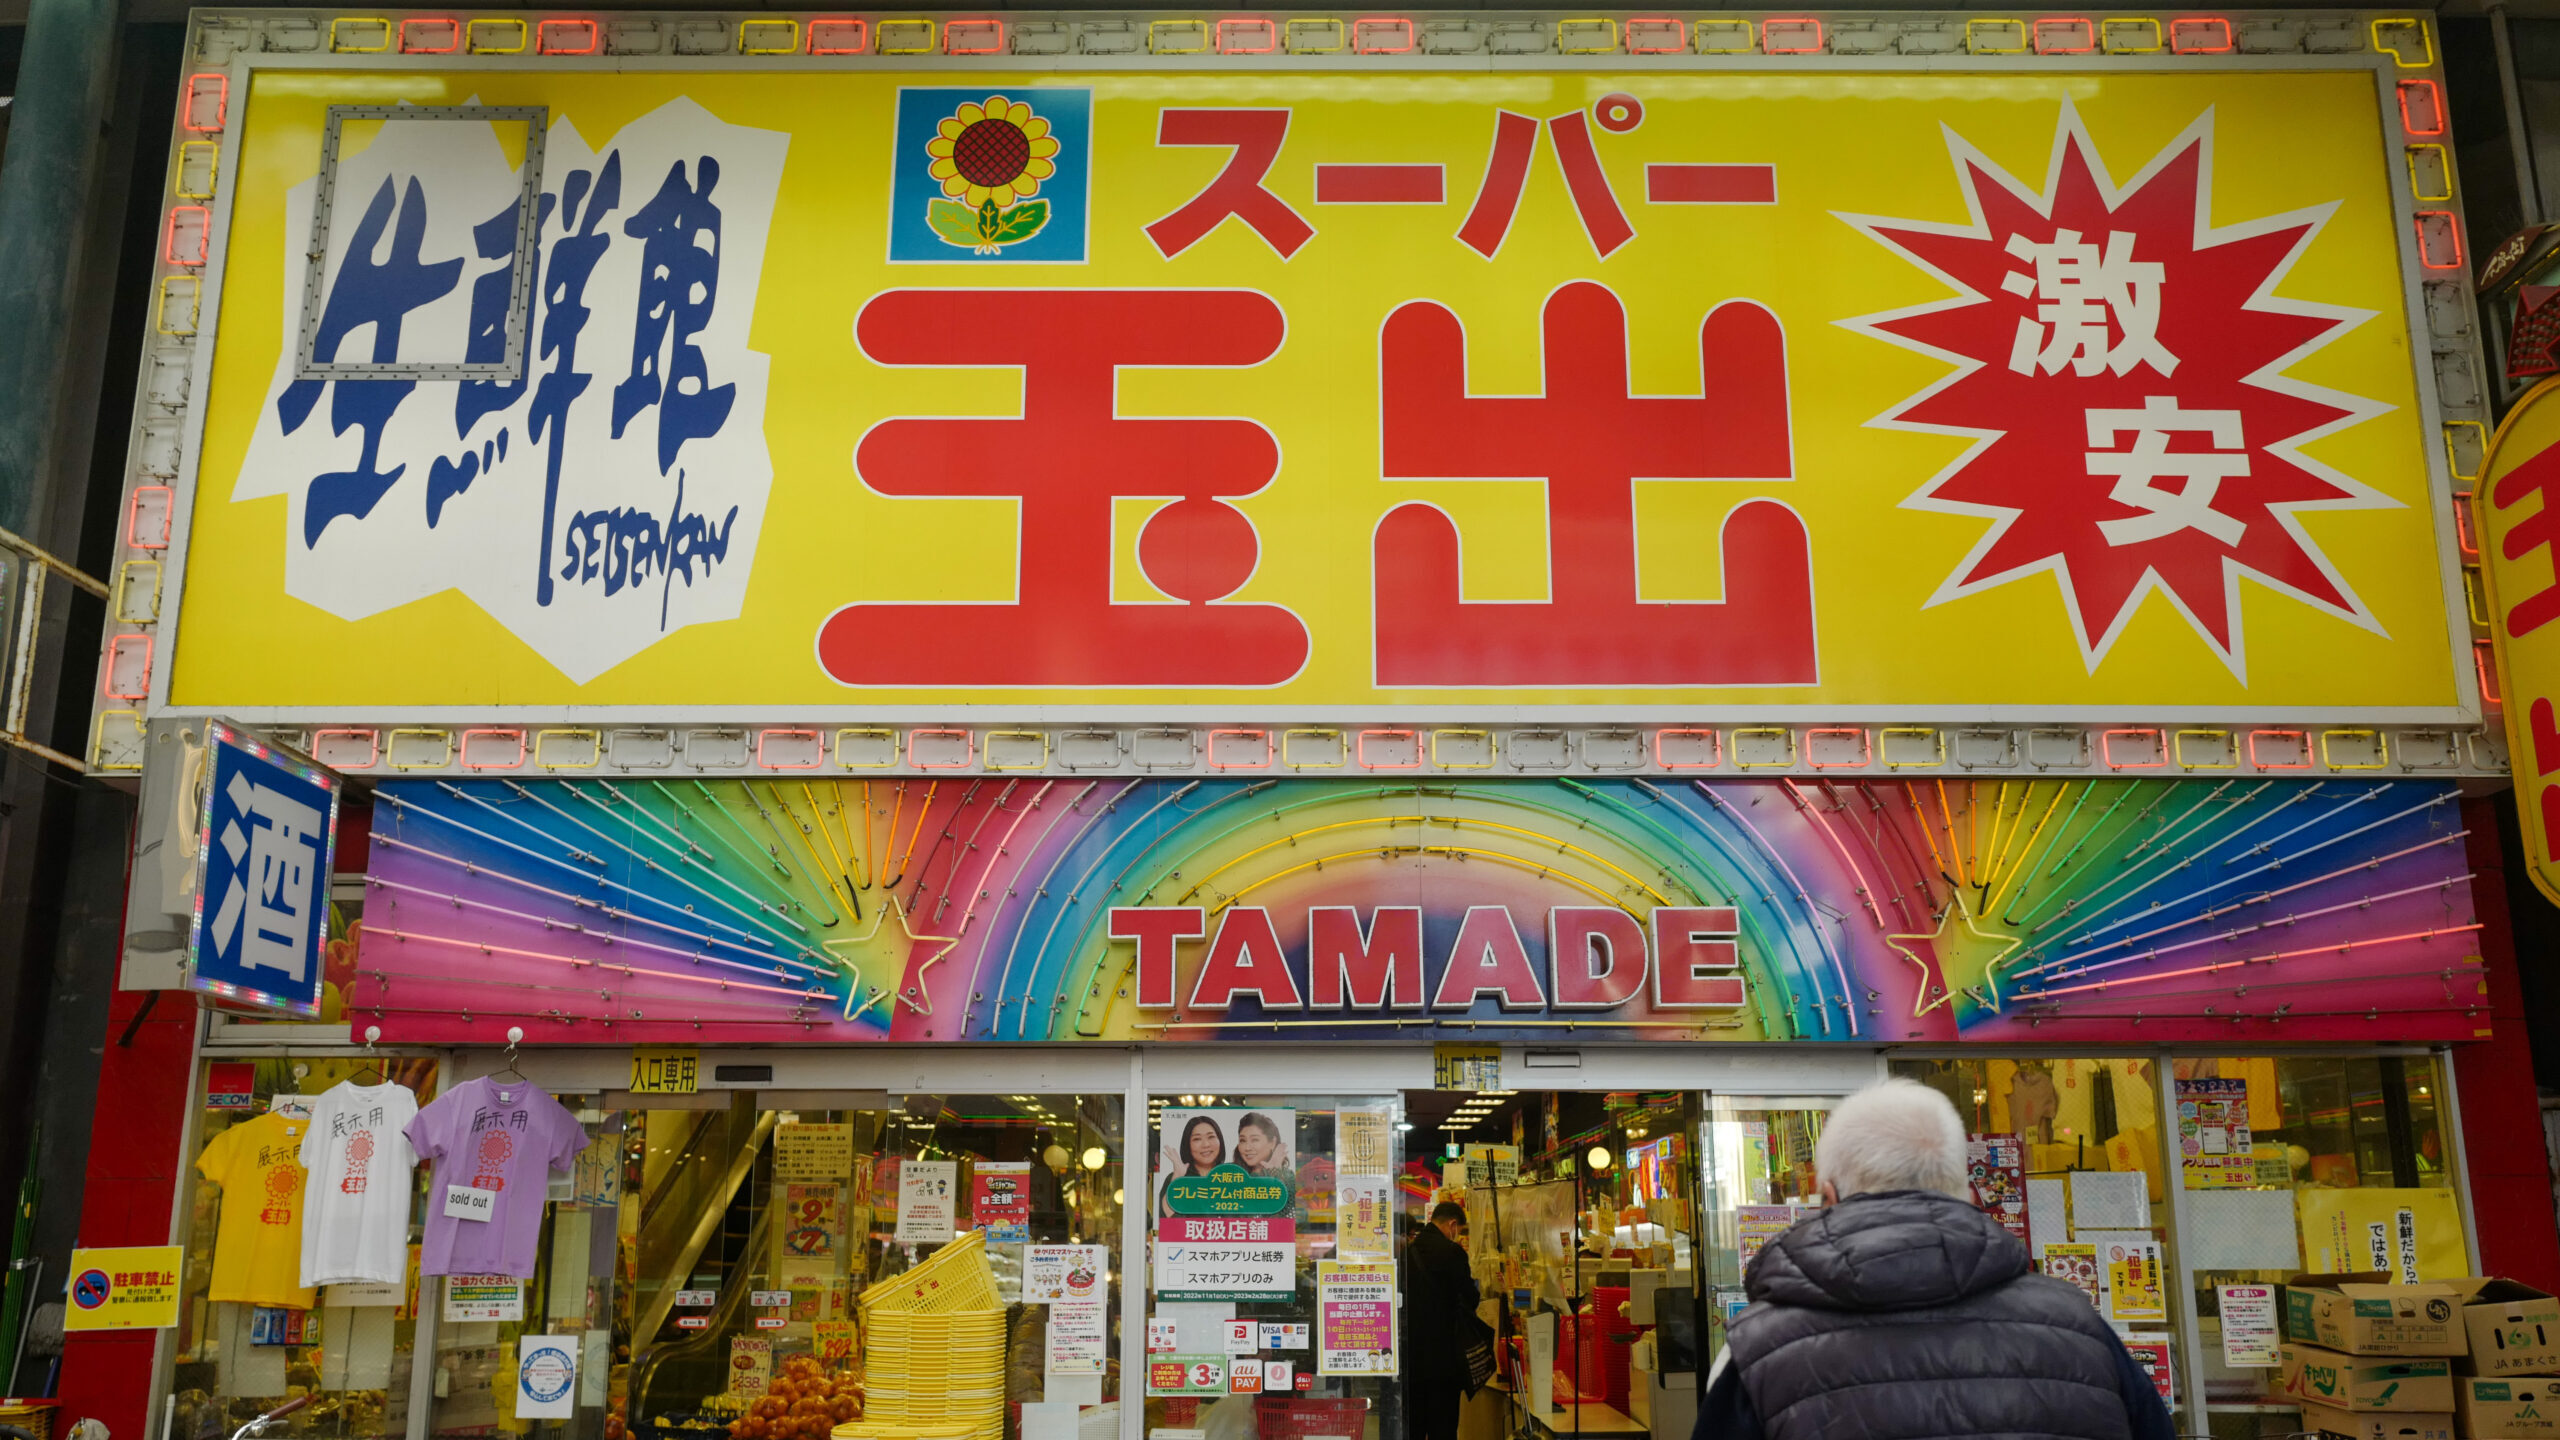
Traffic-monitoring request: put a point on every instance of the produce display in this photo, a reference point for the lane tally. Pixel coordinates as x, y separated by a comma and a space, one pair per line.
802, 1402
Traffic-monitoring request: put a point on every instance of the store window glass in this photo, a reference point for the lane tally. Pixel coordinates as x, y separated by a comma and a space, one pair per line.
2067, 1153
768, 1267
2303, 1164
300, 1247
1273, 1310
1756, 1165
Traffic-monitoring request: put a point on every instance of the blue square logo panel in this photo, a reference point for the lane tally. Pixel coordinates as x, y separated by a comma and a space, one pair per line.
987, 176
262, 878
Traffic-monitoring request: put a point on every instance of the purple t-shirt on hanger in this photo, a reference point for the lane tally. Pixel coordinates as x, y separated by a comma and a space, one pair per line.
503, 1139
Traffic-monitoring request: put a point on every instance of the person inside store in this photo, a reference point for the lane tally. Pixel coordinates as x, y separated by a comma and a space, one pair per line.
1440, 1300
1901, 1310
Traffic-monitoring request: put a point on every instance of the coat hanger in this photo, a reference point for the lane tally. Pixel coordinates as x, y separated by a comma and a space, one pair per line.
293, 1102
372, 1060
515, 1037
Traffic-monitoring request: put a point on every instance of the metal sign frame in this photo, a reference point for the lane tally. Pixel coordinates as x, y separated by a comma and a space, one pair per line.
307, 364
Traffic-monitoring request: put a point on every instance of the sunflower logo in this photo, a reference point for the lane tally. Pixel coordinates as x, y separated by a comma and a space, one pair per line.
990, 157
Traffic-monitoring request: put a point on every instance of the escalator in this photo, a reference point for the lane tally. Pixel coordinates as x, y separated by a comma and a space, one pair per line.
707, 1227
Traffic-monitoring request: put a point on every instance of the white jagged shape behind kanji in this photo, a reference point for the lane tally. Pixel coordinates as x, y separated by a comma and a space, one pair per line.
484, 536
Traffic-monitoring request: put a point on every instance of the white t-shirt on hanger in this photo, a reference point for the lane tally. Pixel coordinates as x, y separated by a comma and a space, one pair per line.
355, 1218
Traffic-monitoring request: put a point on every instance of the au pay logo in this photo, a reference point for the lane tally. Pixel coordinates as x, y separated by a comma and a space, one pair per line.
991, 175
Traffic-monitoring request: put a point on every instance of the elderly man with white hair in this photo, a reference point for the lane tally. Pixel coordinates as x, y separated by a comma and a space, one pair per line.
1902, 1312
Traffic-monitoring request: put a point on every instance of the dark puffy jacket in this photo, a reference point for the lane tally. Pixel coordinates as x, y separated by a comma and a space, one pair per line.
1440, 1293
1911, 1316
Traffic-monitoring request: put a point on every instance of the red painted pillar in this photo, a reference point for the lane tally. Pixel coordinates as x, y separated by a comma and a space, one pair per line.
144, 1090
2511, 1200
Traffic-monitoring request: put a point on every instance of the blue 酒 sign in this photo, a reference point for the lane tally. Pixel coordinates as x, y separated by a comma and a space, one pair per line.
262, 874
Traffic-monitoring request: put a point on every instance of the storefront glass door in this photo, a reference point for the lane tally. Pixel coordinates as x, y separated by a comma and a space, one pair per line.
1272, 1293
1756, 1178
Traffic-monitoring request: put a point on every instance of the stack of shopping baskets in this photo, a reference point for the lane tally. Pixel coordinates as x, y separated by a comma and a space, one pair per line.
933, 1351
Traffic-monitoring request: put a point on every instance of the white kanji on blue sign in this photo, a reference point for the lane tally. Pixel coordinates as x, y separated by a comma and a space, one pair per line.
262, 881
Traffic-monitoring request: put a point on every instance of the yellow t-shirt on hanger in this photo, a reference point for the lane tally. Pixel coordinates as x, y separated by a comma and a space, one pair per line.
257, 1248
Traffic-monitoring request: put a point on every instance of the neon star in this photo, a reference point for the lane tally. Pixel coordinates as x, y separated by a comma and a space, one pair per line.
1958, 935
841, 948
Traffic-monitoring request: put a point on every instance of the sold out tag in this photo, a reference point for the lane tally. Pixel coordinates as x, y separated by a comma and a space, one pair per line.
462, 1202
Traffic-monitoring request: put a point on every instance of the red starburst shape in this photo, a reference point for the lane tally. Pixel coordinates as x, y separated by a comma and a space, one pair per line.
2120, 371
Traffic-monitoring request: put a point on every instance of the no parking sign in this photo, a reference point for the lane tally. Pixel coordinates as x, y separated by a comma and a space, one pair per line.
130, 1288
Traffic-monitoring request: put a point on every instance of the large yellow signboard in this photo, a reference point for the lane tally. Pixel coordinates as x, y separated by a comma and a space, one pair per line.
2518, 523
1849, 393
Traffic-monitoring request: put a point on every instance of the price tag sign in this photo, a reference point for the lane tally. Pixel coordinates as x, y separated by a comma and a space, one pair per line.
770, 1299
462, 1202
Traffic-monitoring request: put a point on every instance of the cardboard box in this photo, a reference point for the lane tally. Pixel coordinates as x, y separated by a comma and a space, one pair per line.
2365, 1315
2512, 1328
2390, 1425
2521, 1408
2326, 1378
